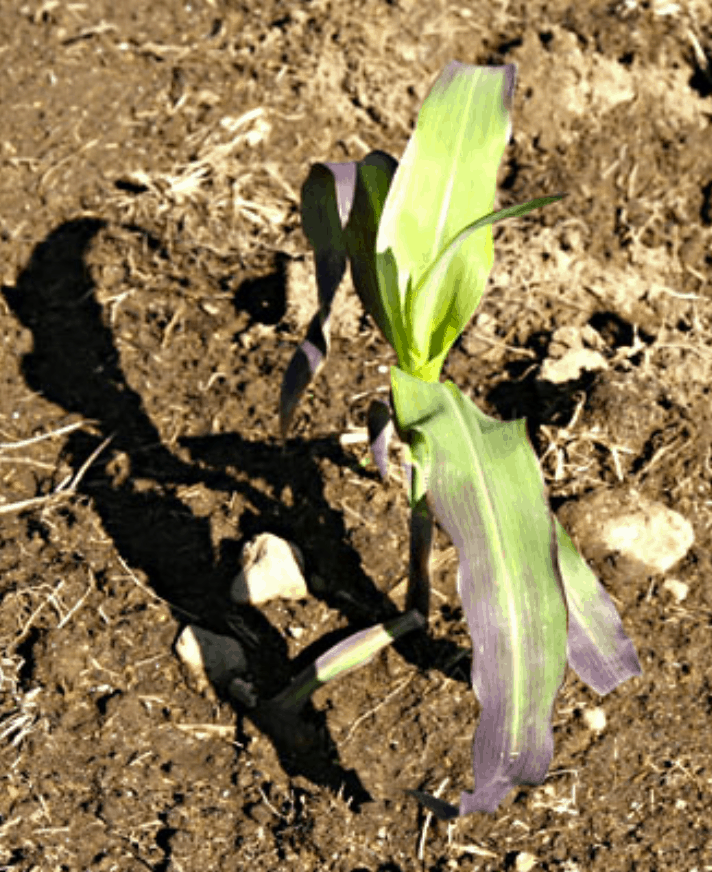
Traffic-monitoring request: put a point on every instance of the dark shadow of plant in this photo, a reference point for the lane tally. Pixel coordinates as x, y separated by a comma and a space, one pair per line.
133, 485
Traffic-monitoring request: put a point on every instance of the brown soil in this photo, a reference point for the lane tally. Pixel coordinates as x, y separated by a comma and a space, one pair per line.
155, 283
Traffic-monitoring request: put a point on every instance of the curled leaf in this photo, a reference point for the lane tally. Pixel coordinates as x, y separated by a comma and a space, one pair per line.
335, 195
380, 430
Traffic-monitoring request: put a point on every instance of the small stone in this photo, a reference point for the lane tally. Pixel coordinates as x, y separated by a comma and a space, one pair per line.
645, 535
210, 659
525, 862
678, 589
271, 569
570, 365
595, 719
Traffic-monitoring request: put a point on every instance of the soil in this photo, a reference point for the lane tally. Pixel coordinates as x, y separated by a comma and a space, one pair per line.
155, 285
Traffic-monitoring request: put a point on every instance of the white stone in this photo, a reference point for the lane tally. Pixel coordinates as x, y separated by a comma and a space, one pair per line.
654, 536
595, 719
525, 862
678, 589
645, 535
570, 366
271, 569
210, 659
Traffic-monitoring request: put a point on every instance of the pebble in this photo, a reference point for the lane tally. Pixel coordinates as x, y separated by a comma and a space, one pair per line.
595, 719
272, 568
646, 535
209, 659
525, 862
678, 589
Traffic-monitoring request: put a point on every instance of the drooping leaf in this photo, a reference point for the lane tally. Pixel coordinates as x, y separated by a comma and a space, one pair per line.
327, 195
330, 194
302, 369
351, 653
599, 651
488, 493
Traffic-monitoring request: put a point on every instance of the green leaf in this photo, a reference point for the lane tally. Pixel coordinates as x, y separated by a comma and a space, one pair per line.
447, 178
331, 195
373, 180
488, 493
351, 653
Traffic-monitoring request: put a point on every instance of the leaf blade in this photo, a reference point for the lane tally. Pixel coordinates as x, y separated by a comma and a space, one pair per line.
326, 201
373, 182
353, 652
487, 491
460, 136
341, 206
599, 650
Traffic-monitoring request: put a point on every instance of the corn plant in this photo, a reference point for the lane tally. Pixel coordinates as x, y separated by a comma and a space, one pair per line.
418, 236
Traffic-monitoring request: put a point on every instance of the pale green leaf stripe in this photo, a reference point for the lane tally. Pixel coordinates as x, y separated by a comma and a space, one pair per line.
354, 651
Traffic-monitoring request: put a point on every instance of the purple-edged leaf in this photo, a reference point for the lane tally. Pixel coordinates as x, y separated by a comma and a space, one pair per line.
599, 650
303, 367
421, 544
488, 493
327, 195
380, 430
351, 653
332, 195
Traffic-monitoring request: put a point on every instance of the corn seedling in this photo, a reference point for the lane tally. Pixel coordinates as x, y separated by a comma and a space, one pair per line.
418, 236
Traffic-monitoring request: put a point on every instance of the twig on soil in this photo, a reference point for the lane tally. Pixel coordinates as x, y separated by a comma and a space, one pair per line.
373, 711
497, 343
29, 461
202, 731
700, 56
51, 597
64, 489
23, 443
354, 437
428, 819
78, 604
